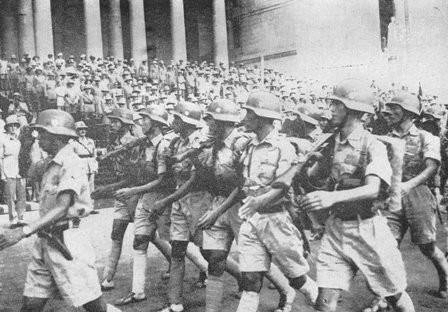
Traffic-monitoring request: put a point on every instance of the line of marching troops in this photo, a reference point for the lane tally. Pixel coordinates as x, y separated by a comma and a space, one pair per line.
226, 174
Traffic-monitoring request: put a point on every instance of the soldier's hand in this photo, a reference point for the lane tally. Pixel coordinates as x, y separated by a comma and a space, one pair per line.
124, 193
250, 206
10, 237
317, 201
207, 220
405, 188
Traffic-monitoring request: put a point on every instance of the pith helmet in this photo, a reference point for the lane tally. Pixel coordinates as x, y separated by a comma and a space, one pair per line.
224, 110
56, 122
156, 113
407, 101
355, 95
189, 113
124, 115
264, 104
80, 125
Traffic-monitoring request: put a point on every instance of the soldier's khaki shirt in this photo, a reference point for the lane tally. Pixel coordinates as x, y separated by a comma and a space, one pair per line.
420, 145
348, 152
264, 161
66, 172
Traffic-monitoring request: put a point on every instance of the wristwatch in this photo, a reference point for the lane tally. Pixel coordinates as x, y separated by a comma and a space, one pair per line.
27, 231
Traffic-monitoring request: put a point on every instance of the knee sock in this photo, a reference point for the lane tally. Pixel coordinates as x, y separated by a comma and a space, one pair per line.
248, 302
176, 282
310, 291
441, 264
112, 262
214, 293
194, 255
276, 277
404, 304
139, 272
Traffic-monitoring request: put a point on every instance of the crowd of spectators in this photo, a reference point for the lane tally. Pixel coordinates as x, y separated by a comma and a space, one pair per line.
89, 88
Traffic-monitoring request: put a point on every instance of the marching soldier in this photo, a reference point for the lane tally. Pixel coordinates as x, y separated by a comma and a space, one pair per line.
421, 162
221, 222
356, 236
121, 121
267, 224
62, 258
190, 200
157, 183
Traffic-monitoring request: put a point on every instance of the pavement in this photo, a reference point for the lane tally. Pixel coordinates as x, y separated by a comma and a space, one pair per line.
422, 279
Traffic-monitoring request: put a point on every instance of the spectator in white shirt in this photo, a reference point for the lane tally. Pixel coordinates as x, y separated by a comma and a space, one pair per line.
14, 185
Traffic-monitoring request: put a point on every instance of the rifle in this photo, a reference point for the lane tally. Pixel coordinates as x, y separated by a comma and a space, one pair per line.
122, 148
56, 241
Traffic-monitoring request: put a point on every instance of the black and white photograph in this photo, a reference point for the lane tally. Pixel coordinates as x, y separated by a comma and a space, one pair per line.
223, 155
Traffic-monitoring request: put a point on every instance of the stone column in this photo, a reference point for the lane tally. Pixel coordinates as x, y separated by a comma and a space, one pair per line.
43, 28
8, 27
94, 39
138, 30
220, 32
179, 43
25, 27
115, 29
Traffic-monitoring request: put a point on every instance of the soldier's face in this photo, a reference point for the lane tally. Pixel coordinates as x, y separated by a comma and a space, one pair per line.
393, 114
215, 127
146, 124
115, 125
338, 113
251, 121
47, 142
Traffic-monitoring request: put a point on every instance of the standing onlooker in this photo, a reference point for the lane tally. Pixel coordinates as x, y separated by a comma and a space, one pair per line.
86, 150
14, 185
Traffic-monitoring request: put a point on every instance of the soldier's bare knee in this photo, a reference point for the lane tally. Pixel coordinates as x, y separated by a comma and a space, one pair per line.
178, 249
33, 304
252, 281
298, 282
141, 242
427, 249
327, 300
118, 229
216, 262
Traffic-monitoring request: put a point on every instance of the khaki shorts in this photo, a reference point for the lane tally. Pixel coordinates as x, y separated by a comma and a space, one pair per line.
366, 245
126, 210
185, 215
50, 274
220, 236
145, 226
269, 235
417, 214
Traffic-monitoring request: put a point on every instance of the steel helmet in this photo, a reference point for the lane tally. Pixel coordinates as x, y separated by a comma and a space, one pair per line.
189, 113
264, 104
56, 122
407, 101
122, 114
355, 95
224, 110
156, 113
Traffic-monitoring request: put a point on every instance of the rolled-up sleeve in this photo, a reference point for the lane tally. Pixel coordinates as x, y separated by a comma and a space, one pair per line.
379, 163
431, 147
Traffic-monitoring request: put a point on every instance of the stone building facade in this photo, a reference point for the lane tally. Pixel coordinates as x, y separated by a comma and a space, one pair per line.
321, 38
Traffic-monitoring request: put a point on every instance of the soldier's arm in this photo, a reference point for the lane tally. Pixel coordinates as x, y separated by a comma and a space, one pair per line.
431, 167
146, 188
63, 202
106, 190
180, 192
